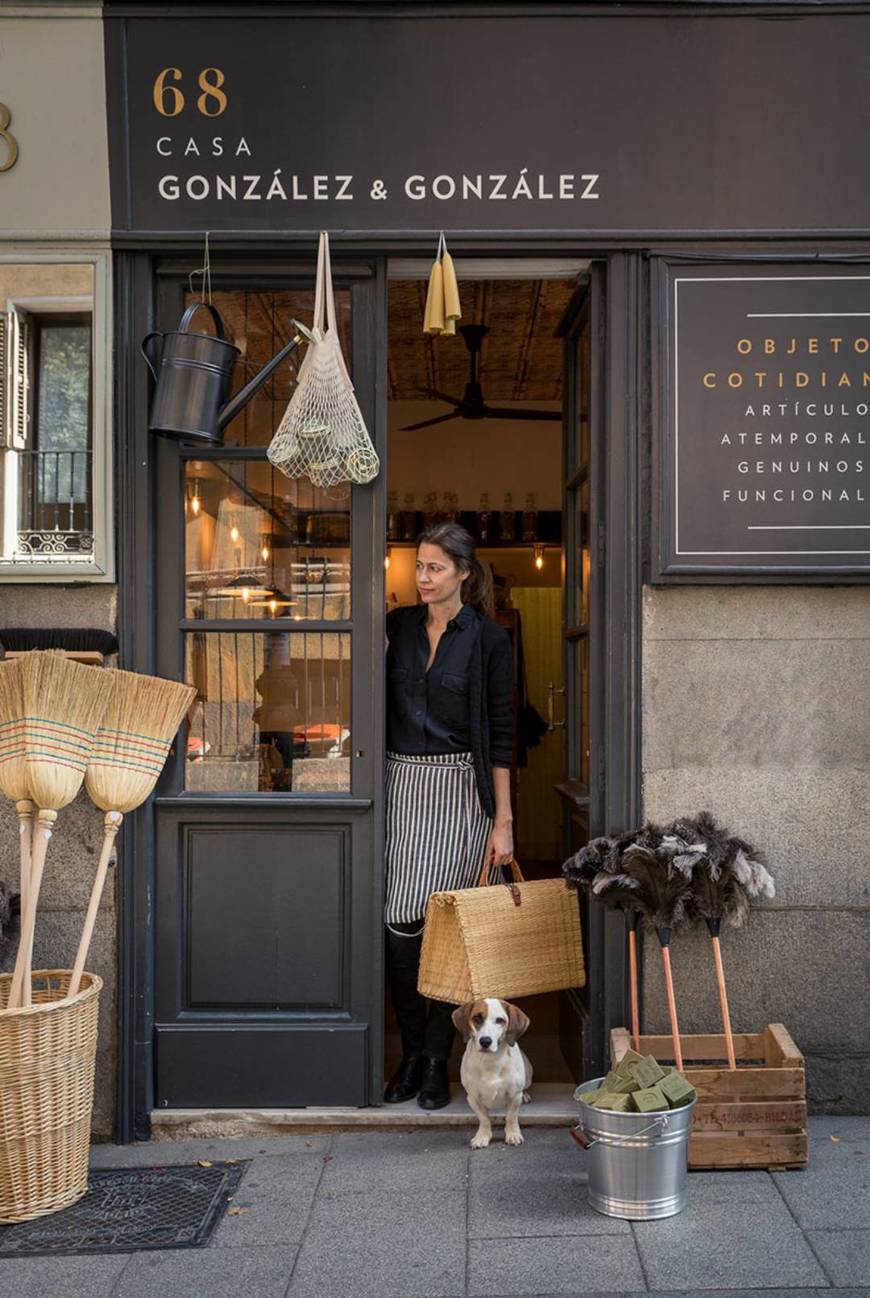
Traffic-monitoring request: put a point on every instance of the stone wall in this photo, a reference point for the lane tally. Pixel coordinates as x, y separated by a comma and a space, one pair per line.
75, 844
756, 703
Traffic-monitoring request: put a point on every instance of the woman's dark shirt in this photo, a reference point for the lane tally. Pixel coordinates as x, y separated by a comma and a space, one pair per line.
464, 703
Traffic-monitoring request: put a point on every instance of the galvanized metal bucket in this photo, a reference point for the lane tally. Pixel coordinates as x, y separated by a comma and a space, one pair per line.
638, 1162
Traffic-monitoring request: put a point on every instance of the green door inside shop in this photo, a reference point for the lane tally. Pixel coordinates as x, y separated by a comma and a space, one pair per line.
267, 597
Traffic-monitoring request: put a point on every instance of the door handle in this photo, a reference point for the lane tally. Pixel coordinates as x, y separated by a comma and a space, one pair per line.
552, 691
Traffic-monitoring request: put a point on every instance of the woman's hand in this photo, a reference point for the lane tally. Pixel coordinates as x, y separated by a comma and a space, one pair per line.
500, 848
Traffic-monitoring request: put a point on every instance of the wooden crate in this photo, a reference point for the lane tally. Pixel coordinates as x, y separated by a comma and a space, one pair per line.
753, 1116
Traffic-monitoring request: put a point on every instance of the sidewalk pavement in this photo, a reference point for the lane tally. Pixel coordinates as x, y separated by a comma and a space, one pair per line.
371, 1214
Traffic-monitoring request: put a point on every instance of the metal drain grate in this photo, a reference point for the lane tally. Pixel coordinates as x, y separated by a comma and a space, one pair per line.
131, 1208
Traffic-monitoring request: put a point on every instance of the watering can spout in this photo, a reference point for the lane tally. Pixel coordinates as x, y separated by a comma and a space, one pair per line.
241, 399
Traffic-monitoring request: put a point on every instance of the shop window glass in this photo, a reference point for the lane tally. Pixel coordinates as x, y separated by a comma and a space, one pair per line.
56, 507
261, 545
54, 444
260, 324
272, 711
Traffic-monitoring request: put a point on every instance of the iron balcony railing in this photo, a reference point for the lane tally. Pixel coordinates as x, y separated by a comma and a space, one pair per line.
56, 504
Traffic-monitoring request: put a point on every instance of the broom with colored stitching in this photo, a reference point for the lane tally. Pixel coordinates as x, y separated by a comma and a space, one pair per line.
64, 704
128, 756
13, 771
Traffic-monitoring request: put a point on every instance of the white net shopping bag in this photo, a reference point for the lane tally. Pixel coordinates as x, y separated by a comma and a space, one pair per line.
323, 435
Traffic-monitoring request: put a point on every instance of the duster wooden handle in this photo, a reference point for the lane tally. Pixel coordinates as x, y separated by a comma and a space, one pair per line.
111, 823
632, 972
672, 1009
20, 991
723, 1002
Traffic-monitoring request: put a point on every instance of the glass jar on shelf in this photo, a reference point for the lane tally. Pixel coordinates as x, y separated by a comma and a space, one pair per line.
507, 528
484, 519
408, 519
431, 515
530, 519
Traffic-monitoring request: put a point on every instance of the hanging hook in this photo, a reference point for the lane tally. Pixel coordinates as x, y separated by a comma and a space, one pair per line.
205, 272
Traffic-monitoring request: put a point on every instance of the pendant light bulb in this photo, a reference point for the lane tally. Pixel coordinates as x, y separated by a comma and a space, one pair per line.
234, 534
195, 499
246, 595
273, 607
539, 557
387, 561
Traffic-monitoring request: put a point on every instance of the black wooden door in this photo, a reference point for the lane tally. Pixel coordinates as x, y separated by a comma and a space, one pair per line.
268, 599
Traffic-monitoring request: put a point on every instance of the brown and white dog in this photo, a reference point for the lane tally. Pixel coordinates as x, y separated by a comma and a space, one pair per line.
495, 1072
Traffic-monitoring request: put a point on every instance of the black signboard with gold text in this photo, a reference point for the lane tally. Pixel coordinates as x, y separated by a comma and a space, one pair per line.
764, 427
541, 122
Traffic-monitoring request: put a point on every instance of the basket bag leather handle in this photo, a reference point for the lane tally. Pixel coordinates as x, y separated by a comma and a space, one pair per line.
517, 877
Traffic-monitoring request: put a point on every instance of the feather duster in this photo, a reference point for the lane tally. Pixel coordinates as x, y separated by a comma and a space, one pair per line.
581, 869
663, 893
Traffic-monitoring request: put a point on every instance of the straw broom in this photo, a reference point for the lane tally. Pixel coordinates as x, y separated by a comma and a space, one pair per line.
13, 771
128, 756
64, 704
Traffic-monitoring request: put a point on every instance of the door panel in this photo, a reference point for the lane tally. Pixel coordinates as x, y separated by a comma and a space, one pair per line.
292, 905
582, 329
268, 881
252, 1066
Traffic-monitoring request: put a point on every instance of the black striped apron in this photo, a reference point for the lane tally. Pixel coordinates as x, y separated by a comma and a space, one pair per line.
437, 831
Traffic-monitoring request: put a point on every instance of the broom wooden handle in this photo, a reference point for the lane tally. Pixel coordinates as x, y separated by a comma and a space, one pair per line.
723, 1002
20, 993
111, 825
672, 1008
632, 971
25, 810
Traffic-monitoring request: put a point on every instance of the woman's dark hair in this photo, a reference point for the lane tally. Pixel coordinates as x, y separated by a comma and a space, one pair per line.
458, 545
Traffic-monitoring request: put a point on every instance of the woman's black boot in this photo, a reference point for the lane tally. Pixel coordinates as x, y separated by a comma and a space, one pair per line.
434, 1088
405, 1081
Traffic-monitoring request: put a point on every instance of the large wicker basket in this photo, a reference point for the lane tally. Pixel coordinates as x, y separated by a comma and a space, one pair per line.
47, 1055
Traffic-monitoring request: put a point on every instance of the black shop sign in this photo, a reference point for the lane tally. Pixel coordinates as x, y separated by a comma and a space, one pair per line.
763, 428
551, 124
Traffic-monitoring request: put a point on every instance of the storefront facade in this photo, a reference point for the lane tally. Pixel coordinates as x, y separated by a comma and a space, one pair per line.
695, 174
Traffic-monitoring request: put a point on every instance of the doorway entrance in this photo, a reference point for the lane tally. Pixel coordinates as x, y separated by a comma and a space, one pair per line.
492, 428
251, 888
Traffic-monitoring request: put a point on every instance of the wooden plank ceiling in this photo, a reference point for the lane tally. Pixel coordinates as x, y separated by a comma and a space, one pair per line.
521, 358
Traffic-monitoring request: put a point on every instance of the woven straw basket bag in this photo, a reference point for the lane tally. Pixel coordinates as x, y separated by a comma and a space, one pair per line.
506, 940
47, 1059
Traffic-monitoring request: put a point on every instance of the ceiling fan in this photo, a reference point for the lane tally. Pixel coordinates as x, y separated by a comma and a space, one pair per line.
472, 405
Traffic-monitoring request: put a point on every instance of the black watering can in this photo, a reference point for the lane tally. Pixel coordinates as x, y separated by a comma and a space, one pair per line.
194, 374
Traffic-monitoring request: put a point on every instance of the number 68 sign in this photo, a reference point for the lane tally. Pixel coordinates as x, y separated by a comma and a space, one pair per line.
8, 142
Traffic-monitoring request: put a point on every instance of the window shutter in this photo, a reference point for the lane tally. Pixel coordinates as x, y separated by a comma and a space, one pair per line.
14, 380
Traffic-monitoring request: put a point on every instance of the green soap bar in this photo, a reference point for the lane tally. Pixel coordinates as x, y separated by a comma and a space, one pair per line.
624, 1086
602, 1099
615, 1103
630, 1057
646, 1072
650, 1099
676, 1090
588, 1097
610, 1080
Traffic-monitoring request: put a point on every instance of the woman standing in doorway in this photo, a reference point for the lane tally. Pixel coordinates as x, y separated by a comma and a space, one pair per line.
449, 753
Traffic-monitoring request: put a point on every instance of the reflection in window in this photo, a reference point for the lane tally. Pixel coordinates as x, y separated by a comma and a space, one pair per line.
261, 545
272, 711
